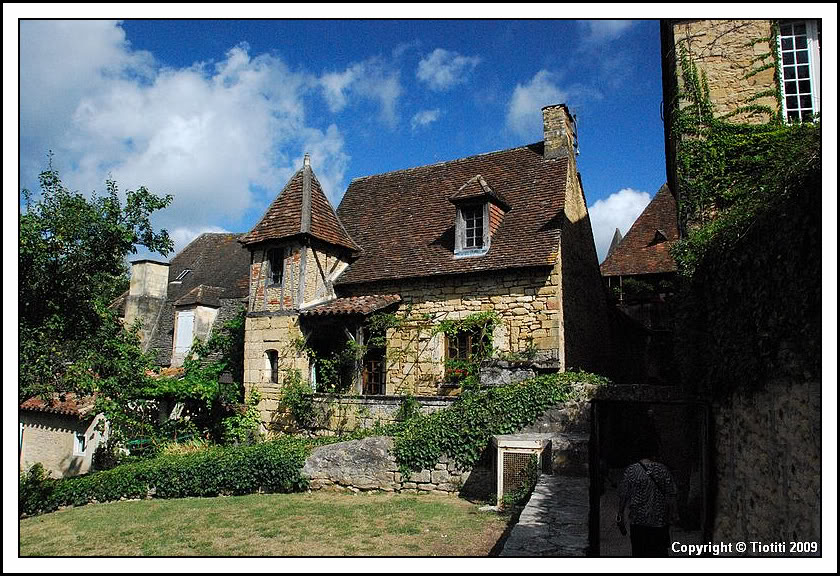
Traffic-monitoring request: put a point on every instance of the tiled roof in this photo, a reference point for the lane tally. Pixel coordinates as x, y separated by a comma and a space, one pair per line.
405, 223
477, 188
301, 208
645, 247
67, 403
353, 305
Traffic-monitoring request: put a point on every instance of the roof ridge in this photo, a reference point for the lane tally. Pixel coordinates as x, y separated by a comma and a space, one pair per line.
464, 158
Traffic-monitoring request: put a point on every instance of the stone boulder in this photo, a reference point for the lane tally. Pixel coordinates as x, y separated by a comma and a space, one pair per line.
365, 464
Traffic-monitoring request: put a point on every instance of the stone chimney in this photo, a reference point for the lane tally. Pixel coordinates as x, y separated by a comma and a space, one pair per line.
559, 132
146, 296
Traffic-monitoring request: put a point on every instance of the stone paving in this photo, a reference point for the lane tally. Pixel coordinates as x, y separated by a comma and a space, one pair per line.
555, 522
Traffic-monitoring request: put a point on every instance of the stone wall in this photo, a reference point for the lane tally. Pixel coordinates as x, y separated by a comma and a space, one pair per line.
726, 51
272, 331
586, 334
768, 464
527, 302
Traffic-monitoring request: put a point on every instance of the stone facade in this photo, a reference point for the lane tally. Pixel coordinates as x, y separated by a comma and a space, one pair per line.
49, 439
526, 301
339, 414
726, 50
768, 455
272, 331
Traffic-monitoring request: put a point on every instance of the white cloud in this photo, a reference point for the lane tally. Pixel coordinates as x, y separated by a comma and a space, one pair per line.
208, 134
424, 118
596, 32
524, 114
183, 235
368, 80
442, 69
618, 210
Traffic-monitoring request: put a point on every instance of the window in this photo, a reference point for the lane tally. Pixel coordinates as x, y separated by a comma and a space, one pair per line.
272, 366
275, 260
465, 345
474, 227
79, 444
183, 274
799, 52
471, 229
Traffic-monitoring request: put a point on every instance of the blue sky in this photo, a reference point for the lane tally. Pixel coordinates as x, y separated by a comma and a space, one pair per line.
220, 113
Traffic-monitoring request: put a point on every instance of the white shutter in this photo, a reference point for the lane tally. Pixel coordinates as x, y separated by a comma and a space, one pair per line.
184, 331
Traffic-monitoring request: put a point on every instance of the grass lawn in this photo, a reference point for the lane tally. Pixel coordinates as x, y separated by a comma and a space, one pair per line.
316, 524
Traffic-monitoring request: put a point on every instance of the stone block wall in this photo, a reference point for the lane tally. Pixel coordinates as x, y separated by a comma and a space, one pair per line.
726, 51
768, 463
272, 331
527, 302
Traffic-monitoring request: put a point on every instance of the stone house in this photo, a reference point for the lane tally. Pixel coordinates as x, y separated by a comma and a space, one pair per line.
60, 433
505, 231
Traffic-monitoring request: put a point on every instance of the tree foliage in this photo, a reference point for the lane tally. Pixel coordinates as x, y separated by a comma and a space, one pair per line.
71, 258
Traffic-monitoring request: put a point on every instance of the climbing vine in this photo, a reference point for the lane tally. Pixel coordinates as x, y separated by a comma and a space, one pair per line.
749, 201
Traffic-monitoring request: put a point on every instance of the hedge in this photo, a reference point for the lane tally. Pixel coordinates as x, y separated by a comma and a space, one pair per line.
269, 467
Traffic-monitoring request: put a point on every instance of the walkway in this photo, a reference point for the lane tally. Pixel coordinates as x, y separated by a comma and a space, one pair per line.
555, 522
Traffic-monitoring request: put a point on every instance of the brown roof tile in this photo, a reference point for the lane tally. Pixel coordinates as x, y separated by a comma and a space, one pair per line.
643, 250
477, 188
301, 208
405, 223
67, 403
353, 305
202, 295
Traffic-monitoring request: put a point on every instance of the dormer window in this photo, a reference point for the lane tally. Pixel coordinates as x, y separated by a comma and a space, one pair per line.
479, 214
183, 274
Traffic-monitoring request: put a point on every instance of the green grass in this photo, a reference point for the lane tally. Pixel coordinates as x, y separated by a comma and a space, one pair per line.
316, 524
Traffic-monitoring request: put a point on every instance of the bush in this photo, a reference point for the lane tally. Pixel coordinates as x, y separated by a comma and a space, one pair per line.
297, 397
269, 467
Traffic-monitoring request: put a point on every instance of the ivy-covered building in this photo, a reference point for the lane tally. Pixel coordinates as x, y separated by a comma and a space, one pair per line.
742, 132
490, 252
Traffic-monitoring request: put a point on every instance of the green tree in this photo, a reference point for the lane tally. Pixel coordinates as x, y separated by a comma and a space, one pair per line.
72, 264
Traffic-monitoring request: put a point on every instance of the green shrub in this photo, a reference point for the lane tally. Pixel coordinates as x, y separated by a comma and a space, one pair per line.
243, 427
409, 408
269, 467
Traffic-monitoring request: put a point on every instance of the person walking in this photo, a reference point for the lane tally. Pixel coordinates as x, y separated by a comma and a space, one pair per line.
650, 491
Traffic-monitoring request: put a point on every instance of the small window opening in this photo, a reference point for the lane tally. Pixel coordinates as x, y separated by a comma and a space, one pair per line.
79, 443
275, 259
272, 365
474, 227
183, 274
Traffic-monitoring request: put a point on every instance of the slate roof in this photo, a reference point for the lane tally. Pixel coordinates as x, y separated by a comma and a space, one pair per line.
405, 223
301, 208
643, 250
352, 305
69, 404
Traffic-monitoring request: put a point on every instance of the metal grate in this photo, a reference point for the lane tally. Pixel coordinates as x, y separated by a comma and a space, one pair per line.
514, 470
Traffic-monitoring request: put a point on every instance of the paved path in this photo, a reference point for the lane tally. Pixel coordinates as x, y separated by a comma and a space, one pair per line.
555, 522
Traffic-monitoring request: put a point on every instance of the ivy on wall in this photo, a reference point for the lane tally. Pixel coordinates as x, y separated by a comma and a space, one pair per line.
750, 259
